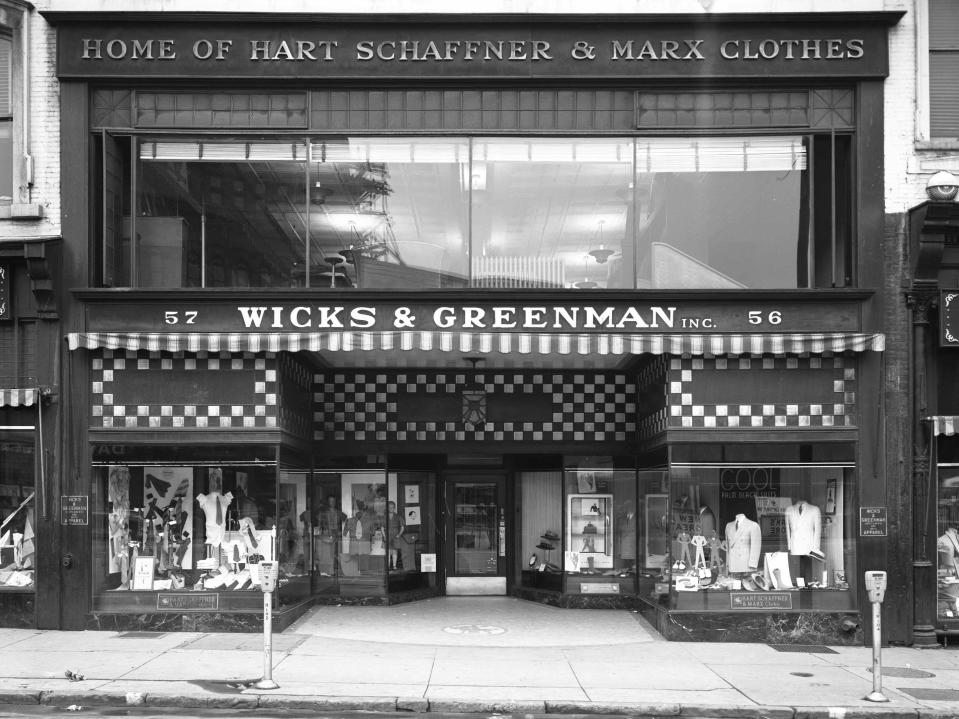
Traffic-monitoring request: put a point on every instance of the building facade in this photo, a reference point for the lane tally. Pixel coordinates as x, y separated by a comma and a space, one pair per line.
589, 314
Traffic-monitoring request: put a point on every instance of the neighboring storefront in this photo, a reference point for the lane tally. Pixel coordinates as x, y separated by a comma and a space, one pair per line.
583, 314
30, 334
933, 235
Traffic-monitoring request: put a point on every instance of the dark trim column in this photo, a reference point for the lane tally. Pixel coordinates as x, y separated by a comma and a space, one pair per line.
922, 302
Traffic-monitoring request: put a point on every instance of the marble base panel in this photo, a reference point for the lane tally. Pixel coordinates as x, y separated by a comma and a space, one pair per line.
194, 621
383, 600
18, 610
831, 628
578, 601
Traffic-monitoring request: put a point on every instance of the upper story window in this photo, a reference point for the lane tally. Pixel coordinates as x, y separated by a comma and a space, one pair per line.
943, 16
723, 212
6, 120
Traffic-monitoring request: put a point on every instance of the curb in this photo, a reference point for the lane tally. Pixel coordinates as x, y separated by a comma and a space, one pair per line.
20, 696
421, 705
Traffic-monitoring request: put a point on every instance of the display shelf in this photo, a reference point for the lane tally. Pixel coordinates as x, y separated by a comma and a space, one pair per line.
589, 532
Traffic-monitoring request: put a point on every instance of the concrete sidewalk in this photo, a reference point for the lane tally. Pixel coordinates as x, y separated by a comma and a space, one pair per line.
473, 655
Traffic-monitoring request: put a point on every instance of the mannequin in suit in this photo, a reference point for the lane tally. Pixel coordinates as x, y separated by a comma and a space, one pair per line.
803, 535
743, 544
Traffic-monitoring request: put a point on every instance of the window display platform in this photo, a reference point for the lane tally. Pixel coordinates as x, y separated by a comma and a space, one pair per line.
771, 627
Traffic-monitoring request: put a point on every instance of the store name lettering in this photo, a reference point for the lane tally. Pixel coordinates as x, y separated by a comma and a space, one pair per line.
555, 318
299, 50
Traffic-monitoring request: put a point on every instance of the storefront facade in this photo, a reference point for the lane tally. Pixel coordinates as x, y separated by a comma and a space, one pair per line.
584, 314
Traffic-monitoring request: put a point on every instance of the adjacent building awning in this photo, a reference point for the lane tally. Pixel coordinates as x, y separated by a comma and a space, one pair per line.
944, 424
19, 397
483, 342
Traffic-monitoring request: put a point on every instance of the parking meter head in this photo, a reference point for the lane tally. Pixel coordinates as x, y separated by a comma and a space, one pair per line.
876, 586
268, 576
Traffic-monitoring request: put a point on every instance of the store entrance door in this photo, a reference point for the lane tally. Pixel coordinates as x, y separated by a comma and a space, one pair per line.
476, 539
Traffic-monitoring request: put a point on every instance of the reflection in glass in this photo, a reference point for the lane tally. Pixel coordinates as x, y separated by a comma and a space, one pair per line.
389, 213
551, 213
220, 214
577, 213
695, 230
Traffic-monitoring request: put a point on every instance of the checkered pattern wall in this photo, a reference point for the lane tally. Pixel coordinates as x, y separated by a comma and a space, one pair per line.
296, 391
595, 407
134, 412
838, 372
653, 410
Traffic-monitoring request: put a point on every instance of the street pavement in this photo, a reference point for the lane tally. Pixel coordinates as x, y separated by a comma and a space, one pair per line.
490, 655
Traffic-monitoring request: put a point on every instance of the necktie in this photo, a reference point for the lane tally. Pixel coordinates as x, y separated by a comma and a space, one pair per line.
737, 524
800, 509
219, 512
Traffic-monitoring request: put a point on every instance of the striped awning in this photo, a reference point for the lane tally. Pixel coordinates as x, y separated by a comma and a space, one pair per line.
19, 397
944, 424
483, 342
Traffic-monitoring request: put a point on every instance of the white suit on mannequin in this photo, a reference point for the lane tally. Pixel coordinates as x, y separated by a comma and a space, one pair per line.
743, 544
803, 528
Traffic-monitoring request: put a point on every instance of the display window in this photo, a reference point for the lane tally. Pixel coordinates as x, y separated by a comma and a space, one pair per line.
601, 523
730, 529
194, 528
372, 524
540, 497
947, 542
17, 511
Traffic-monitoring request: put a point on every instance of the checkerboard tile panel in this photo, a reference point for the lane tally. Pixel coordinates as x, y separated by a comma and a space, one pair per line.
651, 381
295, 390
593, 407
109, 410
685, 412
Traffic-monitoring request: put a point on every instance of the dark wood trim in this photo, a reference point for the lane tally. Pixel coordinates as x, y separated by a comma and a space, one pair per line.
888, 18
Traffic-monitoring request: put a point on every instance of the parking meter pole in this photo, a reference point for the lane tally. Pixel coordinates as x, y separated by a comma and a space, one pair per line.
876, 694
267, 681
268, 577
876, 588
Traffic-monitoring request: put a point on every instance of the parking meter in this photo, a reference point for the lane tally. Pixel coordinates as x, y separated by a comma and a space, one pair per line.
876, 589
268, 575
876, 586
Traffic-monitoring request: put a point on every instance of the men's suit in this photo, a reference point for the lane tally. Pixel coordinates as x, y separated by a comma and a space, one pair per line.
803, 528
743, 545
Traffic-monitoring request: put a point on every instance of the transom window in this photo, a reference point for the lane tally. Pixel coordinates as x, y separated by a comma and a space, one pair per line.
718, 212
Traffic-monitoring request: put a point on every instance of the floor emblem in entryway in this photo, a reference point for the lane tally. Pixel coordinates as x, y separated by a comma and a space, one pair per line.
474, 629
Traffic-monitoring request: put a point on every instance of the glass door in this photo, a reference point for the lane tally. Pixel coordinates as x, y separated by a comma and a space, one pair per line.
476, 535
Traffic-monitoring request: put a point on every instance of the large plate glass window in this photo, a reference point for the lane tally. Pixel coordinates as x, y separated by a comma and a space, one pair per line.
18, 521
724, 212
758, 527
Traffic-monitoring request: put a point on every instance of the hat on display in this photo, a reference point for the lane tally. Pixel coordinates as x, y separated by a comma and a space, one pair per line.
816, 554
760, 581
550, 535
544, 545
749, 584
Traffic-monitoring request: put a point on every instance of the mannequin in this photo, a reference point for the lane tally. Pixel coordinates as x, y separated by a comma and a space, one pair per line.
803, 535
699, 541
716, 545
803, 528
743, 544
684, 539
214, 506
